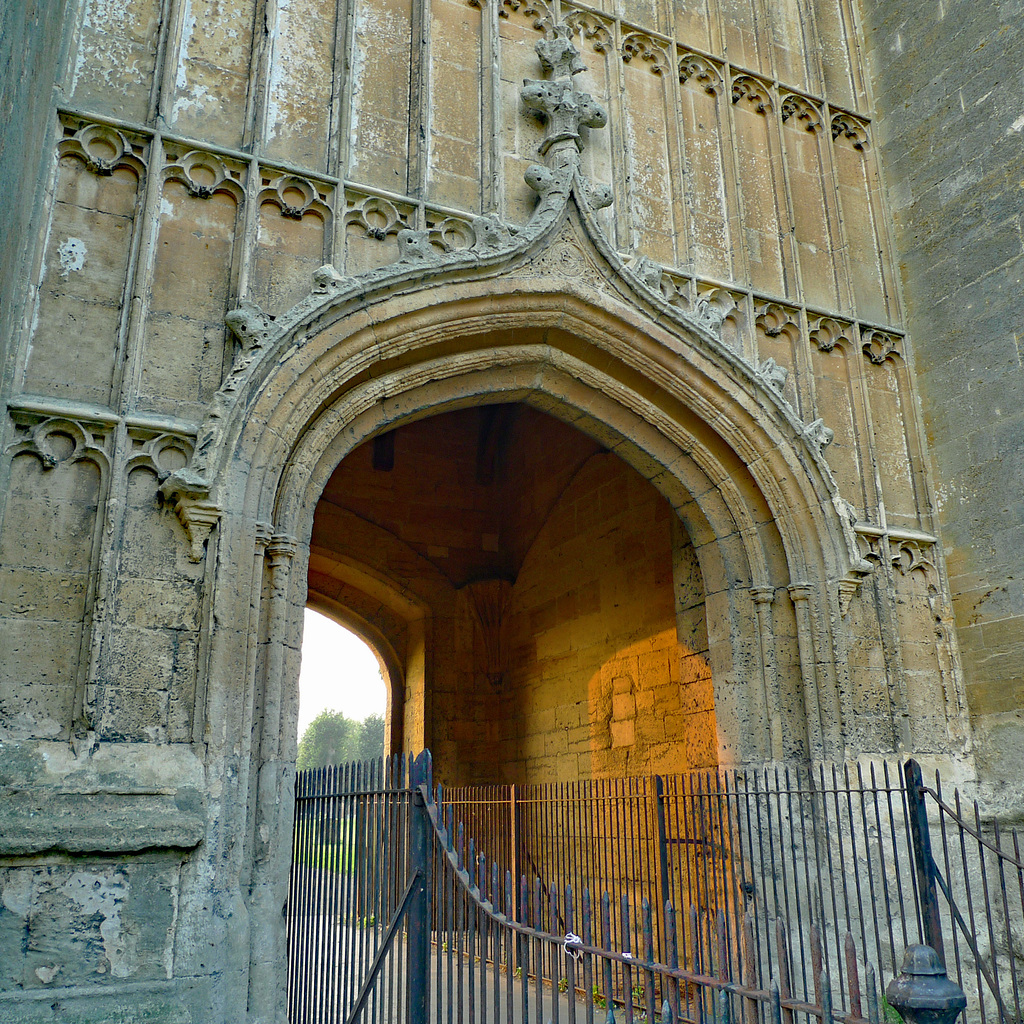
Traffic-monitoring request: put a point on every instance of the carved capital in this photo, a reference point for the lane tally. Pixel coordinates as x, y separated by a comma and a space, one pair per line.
281, 549
762, 595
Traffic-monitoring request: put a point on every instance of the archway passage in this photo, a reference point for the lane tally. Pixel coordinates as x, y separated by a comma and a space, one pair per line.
538, 602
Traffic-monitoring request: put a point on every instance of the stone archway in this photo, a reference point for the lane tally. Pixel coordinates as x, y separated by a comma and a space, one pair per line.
558, 322
754, 497
337, 602
561, 605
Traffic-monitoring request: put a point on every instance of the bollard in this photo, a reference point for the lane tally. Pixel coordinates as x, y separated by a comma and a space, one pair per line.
922, 994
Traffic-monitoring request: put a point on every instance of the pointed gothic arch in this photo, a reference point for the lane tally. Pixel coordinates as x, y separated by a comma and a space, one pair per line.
549, 315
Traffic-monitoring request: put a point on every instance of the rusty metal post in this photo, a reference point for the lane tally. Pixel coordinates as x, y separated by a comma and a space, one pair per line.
923, 862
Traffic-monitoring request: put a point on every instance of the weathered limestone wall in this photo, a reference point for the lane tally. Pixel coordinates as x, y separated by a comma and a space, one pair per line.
947, 83
32, 37
202, 153
602, 684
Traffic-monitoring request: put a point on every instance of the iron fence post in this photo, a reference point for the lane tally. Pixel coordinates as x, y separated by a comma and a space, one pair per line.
666, 895
923, 862
419, 905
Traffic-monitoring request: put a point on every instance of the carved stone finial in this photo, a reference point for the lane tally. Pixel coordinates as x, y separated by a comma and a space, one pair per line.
491, 233
709, 315
649, 272
558, 54
599, 195
326, 279
564, 108
250, 325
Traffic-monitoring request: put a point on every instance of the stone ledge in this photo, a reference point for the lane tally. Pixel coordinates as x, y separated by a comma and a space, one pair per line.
114, 798
40, 822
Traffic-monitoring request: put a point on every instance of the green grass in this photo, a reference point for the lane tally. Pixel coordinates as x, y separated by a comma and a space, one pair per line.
326, 855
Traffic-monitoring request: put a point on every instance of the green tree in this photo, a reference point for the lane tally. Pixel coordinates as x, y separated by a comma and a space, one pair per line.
371, 738
331, 738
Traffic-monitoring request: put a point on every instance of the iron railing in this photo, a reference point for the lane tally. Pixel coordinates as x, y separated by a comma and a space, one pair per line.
973, 907
801, 890
812, 855
351, 889
529, 952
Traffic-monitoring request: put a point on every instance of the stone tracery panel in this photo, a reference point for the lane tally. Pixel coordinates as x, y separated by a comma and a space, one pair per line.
652, 152
293, 233
705, 127
184, 340
754, 130
301, 86
378, 94
807, 173
48, 550
85, 265
117, 54
858, 186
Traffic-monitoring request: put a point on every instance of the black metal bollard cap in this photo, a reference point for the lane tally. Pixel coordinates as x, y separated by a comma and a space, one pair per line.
922, 994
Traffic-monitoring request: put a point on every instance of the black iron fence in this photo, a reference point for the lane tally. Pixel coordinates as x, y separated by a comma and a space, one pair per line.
973, 905
798, 893
353, 882
817, 858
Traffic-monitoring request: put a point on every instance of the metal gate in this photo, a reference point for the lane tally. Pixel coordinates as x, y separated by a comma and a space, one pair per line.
396, 915
357, 906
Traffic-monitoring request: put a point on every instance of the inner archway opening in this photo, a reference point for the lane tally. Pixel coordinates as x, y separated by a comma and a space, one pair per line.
342, 695
538, 604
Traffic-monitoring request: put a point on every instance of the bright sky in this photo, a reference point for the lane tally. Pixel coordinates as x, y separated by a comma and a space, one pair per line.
339, 672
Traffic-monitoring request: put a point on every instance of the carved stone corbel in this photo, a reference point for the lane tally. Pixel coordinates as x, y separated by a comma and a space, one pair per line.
194, 508
818, 434
772, 374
